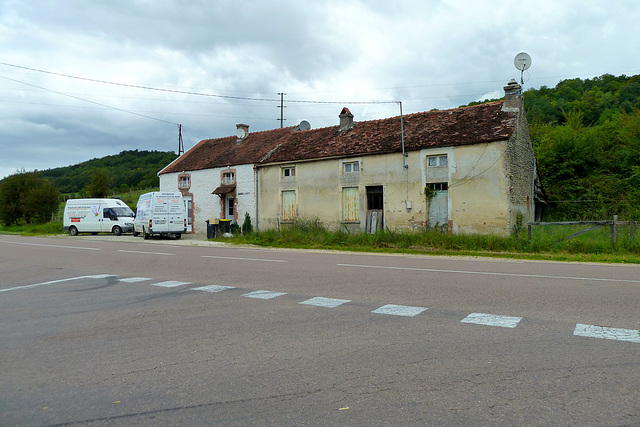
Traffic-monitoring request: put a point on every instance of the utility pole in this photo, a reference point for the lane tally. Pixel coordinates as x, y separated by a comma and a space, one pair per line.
282, 106
180, 143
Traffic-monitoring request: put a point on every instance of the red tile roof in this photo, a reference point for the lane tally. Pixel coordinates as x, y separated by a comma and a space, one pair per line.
458, 126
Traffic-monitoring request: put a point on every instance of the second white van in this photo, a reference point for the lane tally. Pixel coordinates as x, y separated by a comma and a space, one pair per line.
160, 213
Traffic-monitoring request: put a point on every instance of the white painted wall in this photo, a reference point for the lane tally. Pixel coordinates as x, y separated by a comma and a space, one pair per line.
207, 205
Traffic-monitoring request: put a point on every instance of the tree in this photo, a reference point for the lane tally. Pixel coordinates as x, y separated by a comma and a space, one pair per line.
100, 183
27, 197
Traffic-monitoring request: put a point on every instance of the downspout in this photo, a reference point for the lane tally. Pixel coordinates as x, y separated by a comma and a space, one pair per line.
255, 189
404, 155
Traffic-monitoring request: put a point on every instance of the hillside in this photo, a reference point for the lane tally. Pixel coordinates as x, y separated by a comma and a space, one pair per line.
586, 136
128, 170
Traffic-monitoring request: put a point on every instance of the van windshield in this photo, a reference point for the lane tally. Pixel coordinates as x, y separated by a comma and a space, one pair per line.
122, 211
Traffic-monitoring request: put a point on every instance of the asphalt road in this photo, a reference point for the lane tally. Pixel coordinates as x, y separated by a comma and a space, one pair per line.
119, 330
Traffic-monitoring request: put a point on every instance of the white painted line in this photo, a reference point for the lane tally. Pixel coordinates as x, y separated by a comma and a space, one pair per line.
213, 288
97, 276
243, 259
264, 294
170, 284
399, 310
592, 331
492, 320
50, 246
142, 252
539, 276
325, 302
134, 279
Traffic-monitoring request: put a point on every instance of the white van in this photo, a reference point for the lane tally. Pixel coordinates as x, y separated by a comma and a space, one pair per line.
160, 213
97, 216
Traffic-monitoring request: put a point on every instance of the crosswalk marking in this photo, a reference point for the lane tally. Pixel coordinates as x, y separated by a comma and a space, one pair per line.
134, 279
593, 331
399, 310
170, 284
325, 302
213, 288
492, 320
264, 294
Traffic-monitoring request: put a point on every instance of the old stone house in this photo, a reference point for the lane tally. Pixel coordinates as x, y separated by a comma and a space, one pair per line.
469, 169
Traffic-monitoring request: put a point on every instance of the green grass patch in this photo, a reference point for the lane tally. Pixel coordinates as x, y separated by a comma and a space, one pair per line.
547, 243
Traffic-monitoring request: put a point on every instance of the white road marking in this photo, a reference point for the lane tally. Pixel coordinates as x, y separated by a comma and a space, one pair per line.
51, 246
325, 302
143, 252
592, 331
264, 294
492, 320
134, 279
213, 288
243, 259
538, 276
97, 276
170, 284
399, 310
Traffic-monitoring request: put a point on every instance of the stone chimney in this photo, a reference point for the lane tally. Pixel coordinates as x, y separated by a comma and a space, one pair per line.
512, 96
242, 131
346, 120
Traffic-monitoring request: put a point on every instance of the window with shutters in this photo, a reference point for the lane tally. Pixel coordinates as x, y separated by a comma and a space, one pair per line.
288, 205
350, 204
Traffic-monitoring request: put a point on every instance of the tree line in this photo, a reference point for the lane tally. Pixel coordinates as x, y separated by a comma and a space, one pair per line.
28, 197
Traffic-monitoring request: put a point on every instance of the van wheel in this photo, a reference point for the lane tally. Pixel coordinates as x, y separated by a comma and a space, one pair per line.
136, 233
73, 231
117, 230
178, 236
145, 234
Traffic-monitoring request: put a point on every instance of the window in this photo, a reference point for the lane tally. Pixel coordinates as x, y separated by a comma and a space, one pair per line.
350, 204
184, 181
351, 167
437, 161
288, 205
439, 186
289, 172
228, 178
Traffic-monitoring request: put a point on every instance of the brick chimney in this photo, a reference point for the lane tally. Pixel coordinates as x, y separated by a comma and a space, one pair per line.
346, 120
512, 96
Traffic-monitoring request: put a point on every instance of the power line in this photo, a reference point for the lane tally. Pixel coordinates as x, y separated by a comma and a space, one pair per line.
92, 102
245, 98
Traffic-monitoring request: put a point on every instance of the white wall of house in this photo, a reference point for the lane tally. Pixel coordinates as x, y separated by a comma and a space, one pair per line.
207, 205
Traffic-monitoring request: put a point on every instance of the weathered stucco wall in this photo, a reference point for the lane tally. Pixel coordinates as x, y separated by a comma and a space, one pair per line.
478, 189
207, 205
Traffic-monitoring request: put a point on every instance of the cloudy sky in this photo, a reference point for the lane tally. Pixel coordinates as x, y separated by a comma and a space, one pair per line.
81, 79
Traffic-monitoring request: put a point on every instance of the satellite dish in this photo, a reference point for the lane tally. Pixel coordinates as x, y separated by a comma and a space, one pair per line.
304, 125
241, 133
522, 61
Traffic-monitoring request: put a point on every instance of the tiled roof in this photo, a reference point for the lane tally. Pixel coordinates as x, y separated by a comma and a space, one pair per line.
458, 126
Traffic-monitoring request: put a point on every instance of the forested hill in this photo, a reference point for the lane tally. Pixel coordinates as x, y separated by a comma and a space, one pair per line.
586, 136
127, 170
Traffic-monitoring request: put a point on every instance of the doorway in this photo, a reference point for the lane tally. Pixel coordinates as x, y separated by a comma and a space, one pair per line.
375, 208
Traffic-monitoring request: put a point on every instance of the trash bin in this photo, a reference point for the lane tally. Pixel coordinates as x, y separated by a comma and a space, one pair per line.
212, 227
225, 226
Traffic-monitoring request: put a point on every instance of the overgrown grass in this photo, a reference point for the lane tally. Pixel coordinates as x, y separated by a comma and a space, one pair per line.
547, 243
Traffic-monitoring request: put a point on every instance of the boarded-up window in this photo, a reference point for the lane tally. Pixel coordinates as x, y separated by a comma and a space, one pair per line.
288, 205
350, 204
